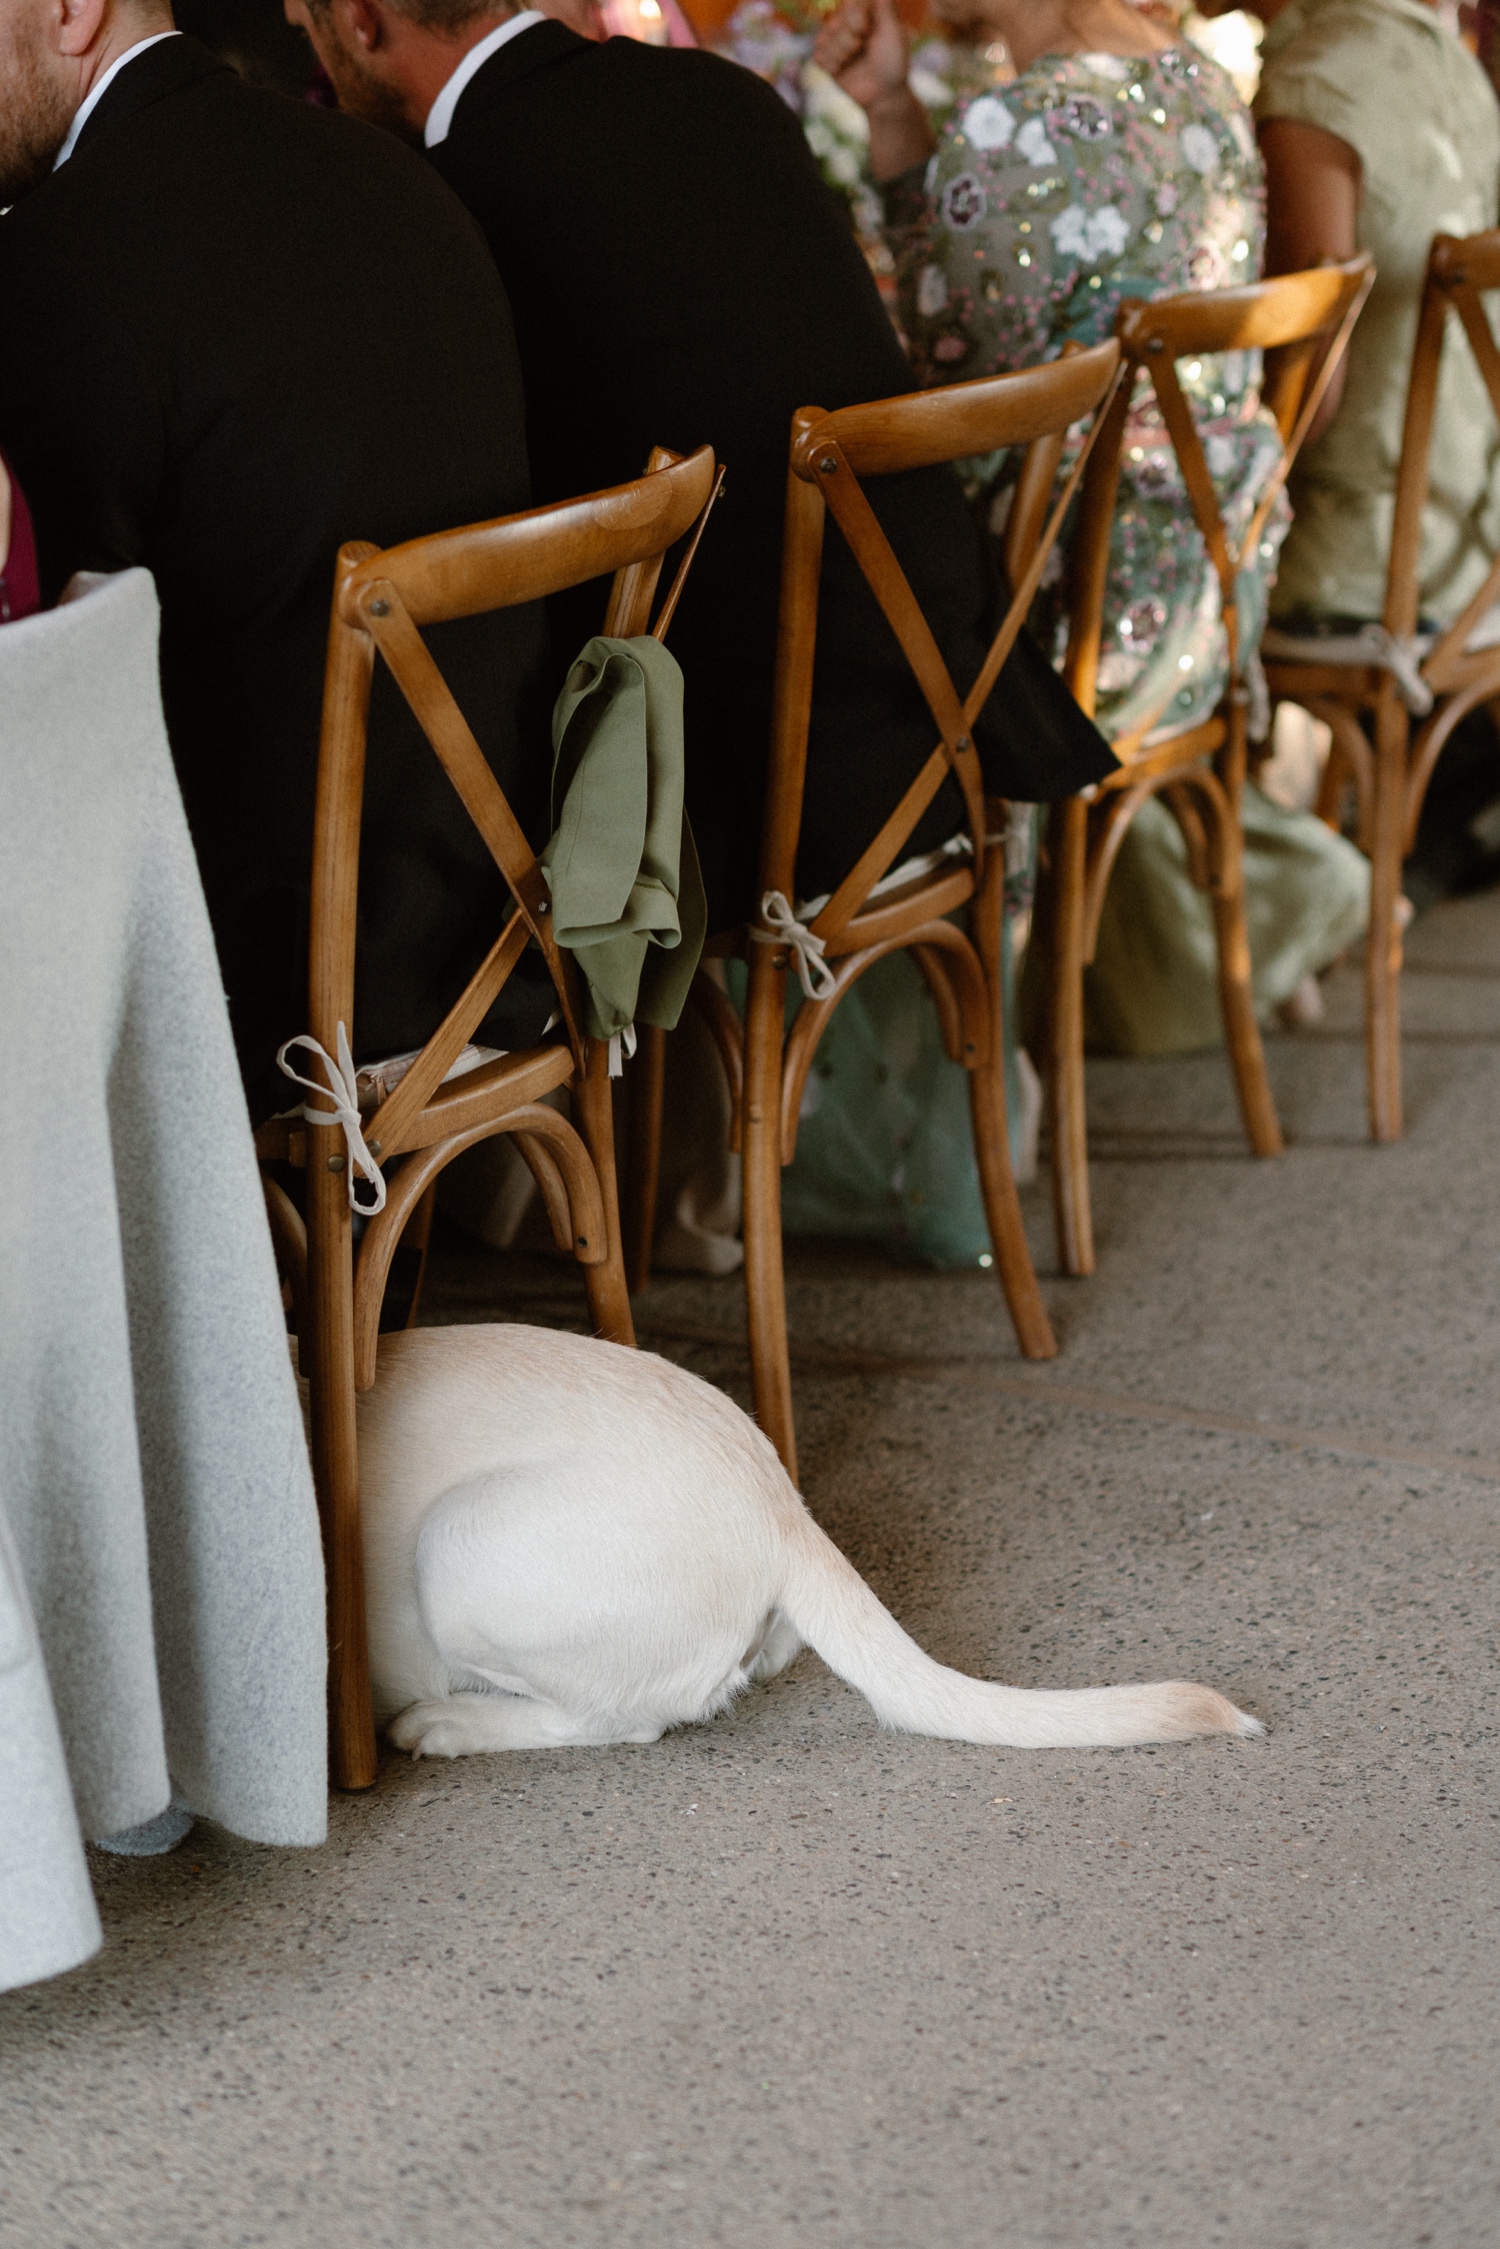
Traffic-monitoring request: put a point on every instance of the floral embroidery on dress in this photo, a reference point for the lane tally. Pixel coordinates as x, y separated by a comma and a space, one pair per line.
988, 123
1033, 144
963, 203
1096, 178
1086, 120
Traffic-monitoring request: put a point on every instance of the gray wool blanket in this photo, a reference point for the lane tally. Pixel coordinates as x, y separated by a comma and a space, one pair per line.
161, 1580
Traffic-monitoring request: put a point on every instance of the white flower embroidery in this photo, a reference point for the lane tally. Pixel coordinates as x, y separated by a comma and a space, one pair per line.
963, 203
988, 124
1033, 144
1078, 233
932, 292
1113, 67
1199, 148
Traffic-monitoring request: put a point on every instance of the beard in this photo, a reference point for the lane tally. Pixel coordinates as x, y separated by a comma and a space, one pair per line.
362, 94
35, 114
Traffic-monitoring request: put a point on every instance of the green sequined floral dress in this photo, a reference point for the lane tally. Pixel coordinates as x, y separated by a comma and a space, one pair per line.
1088, 180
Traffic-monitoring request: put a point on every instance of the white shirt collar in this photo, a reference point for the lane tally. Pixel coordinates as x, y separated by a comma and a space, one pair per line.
99, 88
440, 116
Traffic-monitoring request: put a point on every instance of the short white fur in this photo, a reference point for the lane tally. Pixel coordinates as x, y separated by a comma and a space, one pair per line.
570, 1543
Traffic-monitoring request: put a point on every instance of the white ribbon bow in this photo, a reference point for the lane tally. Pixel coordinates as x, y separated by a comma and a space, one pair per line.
344, 1089
783, 928
1403, 660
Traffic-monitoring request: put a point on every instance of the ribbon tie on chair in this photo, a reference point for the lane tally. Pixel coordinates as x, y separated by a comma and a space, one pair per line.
781, 927
343, 1089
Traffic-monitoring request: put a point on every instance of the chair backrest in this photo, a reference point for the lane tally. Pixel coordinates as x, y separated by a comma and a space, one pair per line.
1460, 269
1306, 320
830, 452
381, 600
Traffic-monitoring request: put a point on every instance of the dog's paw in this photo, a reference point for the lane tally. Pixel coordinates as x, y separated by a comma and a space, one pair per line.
430, 1729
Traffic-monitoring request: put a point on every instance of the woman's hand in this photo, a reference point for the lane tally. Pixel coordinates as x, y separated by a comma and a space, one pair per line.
863, 47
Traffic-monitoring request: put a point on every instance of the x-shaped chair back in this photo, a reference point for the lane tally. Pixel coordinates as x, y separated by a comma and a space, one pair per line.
381, 603
1306, 319
829, 455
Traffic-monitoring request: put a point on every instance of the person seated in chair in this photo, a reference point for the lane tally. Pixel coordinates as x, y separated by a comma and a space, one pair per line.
239, 332
1379, 130
1117, 164
681, 275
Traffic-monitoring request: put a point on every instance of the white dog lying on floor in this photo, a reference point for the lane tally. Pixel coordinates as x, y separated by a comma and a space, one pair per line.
571, 1543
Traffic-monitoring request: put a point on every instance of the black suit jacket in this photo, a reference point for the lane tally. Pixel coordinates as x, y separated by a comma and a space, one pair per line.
681, 275
240, 331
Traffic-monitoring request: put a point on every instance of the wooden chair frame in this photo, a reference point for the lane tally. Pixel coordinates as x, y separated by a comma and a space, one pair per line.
767, 1064
381, 602
1199, 771
1391, 772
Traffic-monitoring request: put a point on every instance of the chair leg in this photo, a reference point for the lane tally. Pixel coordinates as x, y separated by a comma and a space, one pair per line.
328, 1363
1002, 1204
609, 1297
765, 1278
1383, 946
646, 1080
1247, 1056
1067, 1113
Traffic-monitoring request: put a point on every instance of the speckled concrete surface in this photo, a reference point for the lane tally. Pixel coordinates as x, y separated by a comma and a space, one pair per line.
785, 1980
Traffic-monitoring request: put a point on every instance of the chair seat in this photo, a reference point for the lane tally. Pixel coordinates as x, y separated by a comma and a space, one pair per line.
1161, 751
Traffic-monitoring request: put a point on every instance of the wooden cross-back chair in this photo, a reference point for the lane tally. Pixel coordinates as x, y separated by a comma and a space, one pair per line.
381, 602
1393, 703
1306, 319
768, 1064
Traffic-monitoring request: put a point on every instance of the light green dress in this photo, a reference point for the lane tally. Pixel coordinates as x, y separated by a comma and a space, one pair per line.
1388, 78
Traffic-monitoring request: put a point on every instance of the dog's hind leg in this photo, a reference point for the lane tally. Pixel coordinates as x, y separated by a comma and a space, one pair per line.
463, 1725
782, 1642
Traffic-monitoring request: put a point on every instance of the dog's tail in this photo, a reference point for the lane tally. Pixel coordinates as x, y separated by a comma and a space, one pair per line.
830, 1605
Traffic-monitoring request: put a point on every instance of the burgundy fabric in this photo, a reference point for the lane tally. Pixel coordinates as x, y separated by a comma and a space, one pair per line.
19, 592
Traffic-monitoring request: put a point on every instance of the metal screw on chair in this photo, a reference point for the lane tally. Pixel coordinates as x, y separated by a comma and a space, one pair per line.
380, 609
1156, 346
828, 464
336, 1163
963, 743
374, 1148
583, 1241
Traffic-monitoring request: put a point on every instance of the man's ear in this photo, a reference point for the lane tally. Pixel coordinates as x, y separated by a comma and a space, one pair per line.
79, 23
367, 22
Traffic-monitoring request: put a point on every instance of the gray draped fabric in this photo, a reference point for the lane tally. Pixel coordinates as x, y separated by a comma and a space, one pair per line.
163, 1605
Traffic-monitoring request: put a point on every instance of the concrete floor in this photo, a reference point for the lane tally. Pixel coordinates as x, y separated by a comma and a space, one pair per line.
786, 1980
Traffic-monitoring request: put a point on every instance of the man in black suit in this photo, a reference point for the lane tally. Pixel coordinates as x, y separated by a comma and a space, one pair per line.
680, 274
238, 332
